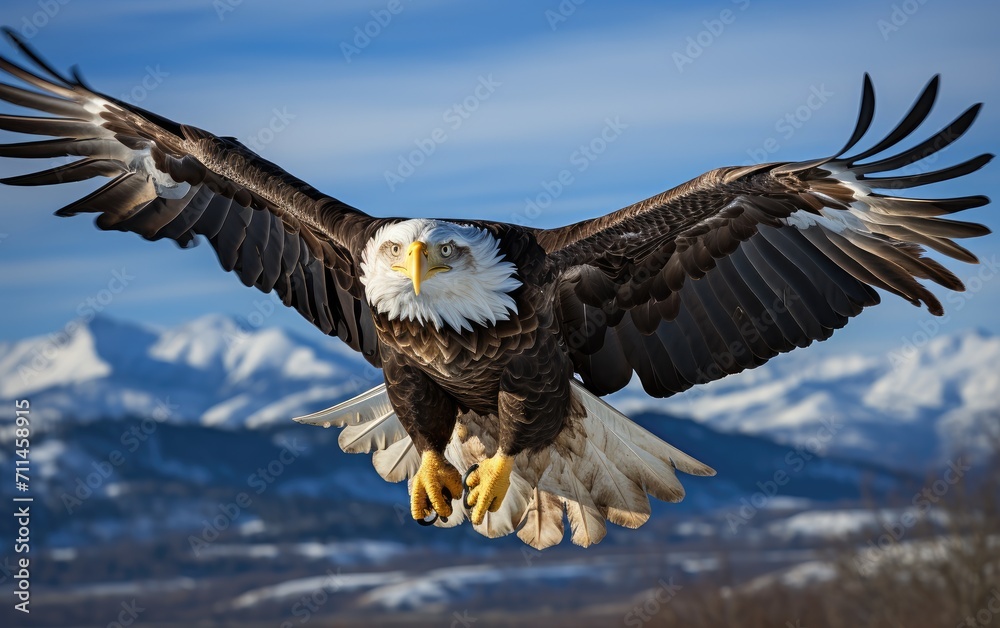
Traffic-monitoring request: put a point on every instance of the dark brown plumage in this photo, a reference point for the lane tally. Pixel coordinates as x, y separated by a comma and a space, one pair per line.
514, 369
694, 298
710, 278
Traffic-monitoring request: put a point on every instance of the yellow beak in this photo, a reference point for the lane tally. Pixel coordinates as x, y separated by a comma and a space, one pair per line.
416, 268
416, 264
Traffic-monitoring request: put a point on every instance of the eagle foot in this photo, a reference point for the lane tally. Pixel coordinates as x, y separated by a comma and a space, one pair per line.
433, 487
429, 521
486, 485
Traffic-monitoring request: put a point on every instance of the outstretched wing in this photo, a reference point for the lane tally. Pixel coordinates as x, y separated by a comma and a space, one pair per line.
726, 271
174, 181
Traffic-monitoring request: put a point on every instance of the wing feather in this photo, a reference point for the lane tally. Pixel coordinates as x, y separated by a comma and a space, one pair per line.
174, 181
725, 271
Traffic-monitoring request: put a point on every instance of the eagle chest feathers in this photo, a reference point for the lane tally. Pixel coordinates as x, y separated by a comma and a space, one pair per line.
449, 300
449, 354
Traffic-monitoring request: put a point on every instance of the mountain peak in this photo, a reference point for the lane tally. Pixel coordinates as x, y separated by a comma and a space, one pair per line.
872, 405
215, 367
216, 321
109, 326
62, 358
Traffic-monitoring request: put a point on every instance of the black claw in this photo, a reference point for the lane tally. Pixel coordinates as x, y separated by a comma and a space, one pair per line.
429, 522
447, 495
465, 478
465, 486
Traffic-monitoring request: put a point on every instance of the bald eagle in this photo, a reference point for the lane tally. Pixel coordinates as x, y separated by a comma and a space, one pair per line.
497, 340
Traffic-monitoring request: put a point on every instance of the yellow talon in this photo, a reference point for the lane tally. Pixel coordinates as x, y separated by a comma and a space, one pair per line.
488, 486
426, 494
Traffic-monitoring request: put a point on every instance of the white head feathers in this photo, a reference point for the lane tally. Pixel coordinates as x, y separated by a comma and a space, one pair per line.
474, 289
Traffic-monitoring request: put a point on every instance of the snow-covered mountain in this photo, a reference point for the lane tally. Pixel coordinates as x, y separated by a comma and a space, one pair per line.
908, 409
117, 514
215, 370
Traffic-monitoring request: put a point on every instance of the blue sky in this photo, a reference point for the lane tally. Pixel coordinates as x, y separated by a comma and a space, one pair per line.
674, 91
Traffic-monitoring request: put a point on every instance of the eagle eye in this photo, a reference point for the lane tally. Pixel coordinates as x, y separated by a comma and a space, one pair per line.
447, 250
394, 249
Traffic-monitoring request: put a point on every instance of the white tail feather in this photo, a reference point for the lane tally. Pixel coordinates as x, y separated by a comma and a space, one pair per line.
382, 431
585, 519
624, 502
543, 522
601, 467
625, 428
397, 462
354, 411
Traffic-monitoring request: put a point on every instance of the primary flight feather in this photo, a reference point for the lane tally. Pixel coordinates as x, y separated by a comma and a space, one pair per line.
482, 328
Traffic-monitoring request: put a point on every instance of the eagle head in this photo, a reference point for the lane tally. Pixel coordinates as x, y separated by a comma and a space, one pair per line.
439, 273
